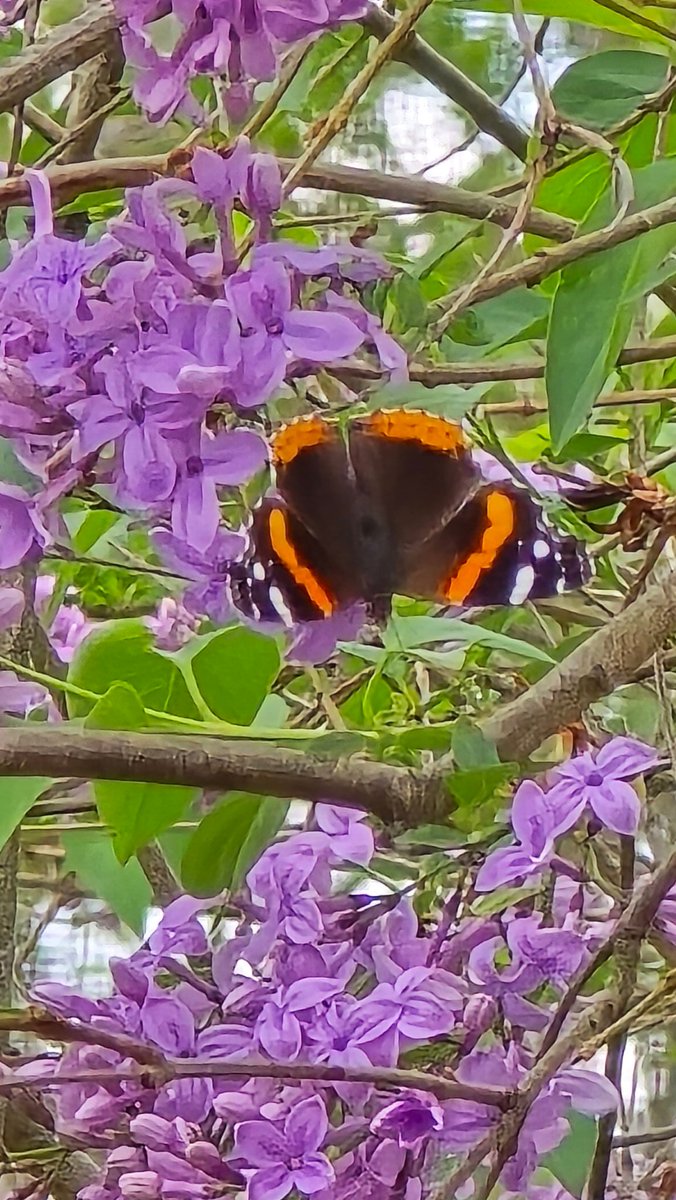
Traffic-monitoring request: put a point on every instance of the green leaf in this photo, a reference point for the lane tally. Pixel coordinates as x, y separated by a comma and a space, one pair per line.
501, 320
119, 708
502, 898
122, 652
594, 307
587, 12
447, 400
233, 670
437, 837
570, 1162
407, 633
125, 889
228, 840
135, 812
470, 746
138, 812
108, 202
91, 528
17, 795
604, 88
480, 784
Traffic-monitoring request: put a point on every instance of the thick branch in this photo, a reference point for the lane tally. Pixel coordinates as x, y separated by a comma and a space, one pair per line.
451, 81
389, 793
78, 178
67, 48
605, 662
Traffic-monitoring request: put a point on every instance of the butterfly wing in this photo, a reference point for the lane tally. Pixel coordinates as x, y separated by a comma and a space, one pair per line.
413, 473
498, 549
301, 563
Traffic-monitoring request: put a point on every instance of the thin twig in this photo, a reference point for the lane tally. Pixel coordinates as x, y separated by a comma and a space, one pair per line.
285, 77
89, 123
160, 1073
445, 76
547, 261
337, 119
650, 1136
638, 18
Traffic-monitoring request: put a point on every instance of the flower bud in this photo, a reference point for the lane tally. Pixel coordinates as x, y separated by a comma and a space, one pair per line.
140, 1185
479, 1014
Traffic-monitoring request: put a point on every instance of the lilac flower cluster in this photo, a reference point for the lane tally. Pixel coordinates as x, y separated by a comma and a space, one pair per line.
238, 43
317, 975
126, 361
593, 783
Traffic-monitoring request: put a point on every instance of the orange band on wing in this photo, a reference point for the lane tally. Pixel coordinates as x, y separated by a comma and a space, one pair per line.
291, 439
500, 518
404, 425
303, 576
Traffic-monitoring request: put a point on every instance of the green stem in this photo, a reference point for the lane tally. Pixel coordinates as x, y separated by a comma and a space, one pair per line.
222, 729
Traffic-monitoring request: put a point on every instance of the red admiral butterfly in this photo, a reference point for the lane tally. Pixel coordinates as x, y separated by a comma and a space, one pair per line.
398, 506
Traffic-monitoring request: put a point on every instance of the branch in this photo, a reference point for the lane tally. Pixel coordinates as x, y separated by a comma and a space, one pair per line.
164, 884
664, 1134
71, 45
210, 1068
485, 113
495, 372
94, 93
638, 18
389, 793
50, 1027
605, 662
76, 179
549, 260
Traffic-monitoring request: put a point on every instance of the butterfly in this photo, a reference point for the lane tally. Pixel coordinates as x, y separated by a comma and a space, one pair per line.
394, 505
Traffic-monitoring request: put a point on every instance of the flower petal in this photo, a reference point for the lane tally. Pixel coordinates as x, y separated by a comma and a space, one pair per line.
320, 336
589, 1092
315, 1174
271, 1184
505, 865
306, 1126
624, 757
260, 1144
616, 805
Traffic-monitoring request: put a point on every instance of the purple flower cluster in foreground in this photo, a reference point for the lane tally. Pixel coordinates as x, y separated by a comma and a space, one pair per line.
126, 362
317, 976
237, 42
593, 783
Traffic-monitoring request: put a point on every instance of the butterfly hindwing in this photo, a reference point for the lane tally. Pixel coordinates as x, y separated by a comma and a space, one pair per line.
499, 549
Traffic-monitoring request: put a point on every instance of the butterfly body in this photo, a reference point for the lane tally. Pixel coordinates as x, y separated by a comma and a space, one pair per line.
396, 506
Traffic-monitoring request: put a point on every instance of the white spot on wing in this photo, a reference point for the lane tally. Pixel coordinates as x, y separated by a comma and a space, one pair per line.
281, 608
541, 549
523, 583
258, 571
561, 585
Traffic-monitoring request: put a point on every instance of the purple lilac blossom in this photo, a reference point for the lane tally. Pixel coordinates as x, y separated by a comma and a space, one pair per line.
114, 354
68, 626
318, 975
237, 42
593, 783
596, 781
